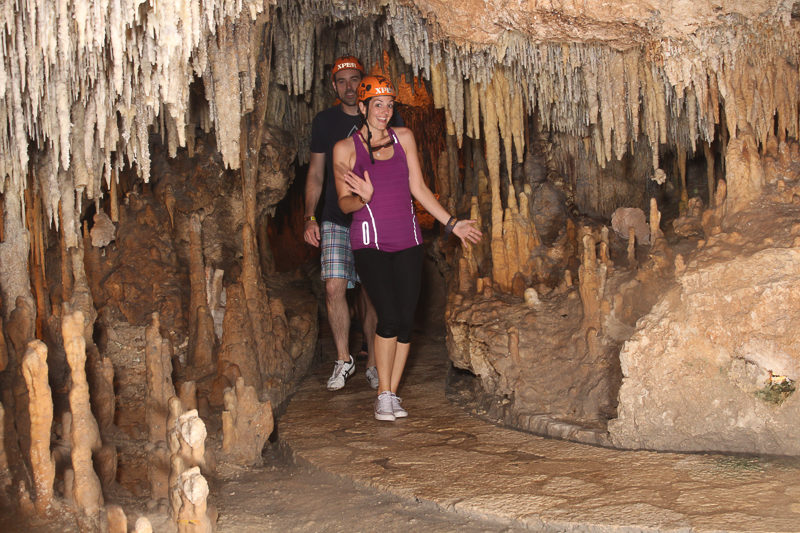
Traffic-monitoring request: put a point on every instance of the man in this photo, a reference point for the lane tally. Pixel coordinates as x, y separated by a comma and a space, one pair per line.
338, 266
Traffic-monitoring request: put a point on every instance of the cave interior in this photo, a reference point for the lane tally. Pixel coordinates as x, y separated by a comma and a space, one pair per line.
636, 175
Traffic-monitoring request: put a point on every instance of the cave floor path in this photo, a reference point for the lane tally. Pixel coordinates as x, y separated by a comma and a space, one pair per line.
443, 469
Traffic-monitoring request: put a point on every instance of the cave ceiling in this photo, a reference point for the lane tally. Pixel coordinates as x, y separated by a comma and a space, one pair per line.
83, 83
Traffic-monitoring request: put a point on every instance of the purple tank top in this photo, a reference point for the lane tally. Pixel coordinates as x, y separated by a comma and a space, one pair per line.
388, 221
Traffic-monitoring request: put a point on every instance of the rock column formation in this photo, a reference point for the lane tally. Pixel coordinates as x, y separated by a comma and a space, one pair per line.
84, 433
160, 389
40, 409
246, 424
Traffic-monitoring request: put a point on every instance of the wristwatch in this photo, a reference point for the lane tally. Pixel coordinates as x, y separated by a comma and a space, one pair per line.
310, 218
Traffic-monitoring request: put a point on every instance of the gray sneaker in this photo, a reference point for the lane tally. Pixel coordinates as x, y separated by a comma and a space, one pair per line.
397, 409
383, 407
372, 376
341, 371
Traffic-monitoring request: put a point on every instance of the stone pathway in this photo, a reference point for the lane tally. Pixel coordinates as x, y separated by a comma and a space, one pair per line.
441, 455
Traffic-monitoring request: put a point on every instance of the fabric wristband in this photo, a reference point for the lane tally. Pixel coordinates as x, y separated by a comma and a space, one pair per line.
451, 224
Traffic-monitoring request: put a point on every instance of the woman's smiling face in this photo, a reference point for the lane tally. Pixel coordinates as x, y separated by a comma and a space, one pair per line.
381, 109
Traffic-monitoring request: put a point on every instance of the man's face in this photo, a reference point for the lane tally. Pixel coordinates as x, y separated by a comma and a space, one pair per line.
345, 83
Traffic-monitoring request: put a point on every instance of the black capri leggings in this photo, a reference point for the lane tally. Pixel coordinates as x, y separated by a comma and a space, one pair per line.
392, 281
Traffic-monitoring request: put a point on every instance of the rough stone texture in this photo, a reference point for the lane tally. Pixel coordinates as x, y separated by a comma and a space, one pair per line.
144, 250
534, 364
100, 372
40, 409
440, 455
631, 217
697, 374
3, 348
246, 424
192, 515
117, 521
103, 231
84, 433
159, 381
5, 478
704, 370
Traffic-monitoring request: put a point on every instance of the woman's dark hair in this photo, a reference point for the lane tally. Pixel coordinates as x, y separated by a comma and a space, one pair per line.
369, 132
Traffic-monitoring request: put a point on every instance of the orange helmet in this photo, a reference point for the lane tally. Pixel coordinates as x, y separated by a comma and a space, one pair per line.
375, 86
346, 62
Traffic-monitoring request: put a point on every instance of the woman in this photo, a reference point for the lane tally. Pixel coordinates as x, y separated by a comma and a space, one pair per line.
377, 171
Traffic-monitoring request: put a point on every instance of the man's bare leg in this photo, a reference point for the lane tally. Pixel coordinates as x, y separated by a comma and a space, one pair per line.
338, 315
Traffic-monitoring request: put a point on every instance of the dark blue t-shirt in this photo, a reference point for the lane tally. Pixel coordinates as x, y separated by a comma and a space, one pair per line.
329, 127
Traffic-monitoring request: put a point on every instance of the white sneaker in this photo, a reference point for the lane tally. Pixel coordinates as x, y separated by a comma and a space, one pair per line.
383, 407
397, 409
341, 371
372, 376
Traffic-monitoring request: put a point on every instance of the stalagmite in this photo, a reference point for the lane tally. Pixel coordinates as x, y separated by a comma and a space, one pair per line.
142, 525
655, 222
201, 328
531, 297
632, 263
592, 278
246, 424
188, 395
102, 390
84, 433
40, 409
192, 513
237, 348
117, 521
710, 171
188, 455
159, 381
3, 348
5, 477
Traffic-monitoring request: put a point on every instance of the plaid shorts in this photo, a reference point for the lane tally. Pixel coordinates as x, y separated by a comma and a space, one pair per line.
337, 257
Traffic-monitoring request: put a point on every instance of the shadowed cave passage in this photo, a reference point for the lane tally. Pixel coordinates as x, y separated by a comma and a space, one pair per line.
634, 170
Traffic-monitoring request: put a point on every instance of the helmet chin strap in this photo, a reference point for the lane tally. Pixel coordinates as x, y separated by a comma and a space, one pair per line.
369, 134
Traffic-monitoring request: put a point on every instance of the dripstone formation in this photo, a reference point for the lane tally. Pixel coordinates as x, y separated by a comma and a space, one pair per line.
634, 168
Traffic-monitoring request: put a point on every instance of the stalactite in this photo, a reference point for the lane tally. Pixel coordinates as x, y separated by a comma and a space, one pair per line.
14, 252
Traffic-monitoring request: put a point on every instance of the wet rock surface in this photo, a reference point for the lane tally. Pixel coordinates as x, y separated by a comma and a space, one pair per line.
445, 457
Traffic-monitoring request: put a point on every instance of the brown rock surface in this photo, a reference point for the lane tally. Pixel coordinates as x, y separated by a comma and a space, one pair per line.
697, 374
84, 433
246, 424
40, 409
441, 455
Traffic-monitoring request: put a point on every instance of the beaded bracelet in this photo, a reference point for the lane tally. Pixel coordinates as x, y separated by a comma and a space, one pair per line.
450, 226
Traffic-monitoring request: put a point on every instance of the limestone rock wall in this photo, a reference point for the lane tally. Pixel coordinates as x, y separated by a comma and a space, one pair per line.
701, 376
715, 363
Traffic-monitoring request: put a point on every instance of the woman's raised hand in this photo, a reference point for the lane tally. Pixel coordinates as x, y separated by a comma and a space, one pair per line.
358, 186
467, 230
